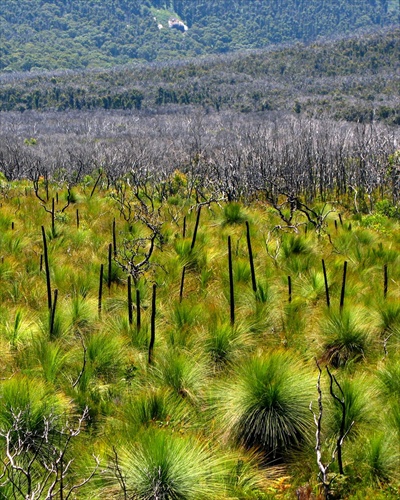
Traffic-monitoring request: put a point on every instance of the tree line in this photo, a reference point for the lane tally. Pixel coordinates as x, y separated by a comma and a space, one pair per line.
236, 156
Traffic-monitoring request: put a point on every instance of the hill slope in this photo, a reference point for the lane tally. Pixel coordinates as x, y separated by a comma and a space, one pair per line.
87, 33
357, 79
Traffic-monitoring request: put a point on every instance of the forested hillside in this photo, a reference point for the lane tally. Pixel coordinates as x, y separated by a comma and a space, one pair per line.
78, 34
356, 79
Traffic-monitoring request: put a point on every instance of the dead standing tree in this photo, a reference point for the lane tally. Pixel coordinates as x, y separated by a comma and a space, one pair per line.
324, 475
38, 462
136, 207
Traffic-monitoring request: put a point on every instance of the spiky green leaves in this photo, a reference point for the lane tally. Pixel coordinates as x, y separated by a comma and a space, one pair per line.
346, 336
164, 466
266, 404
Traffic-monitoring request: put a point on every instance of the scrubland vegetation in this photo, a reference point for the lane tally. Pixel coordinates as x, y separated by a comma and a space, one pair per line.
197, 307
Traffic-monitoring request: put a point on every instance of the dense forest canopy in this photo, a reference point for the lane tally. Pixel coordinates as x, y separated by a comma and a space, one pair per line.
78, 34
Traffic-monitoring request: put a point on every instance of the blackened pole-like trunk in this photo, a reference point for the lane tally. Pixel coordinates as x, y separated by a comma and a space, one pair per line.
231, 285
100, 289
47, 269
153, 325
130, 304
328, 302
253, 273
343, 285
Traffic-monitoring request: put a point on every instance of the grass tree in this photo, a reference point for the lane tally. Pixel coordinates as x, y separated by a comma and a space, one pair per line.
345, 336
389, 378
265, 404
168, 466
182, 373
379, 460
225, 343
355, 396
150, 407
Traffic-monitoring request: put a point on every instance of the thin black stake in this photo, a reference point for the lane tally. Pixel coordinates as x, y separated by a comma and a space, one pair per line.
253, 273
77, 219
289, 279
95, 184
343, 285
335, 225
385, 280
182, 284
53, 217
41, 263
184, 228
152, 325
12, 225
47, 268
231, 286
109, 266
130, 304
196, 228
114, 239
328, 302
138, 320
341, 220
53, 313
100, 288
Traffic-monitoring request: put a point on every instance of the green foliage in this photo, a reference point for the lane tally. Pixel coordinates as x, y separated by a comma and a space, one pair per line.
184, 375
233, 214
385, 207
168, 466
86, 35
104, 354
266, 404
34, 401
293, 244
390, 378
225, 343
51, 358
315, 70
358, 394
151, 407
380, 460
345, 337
